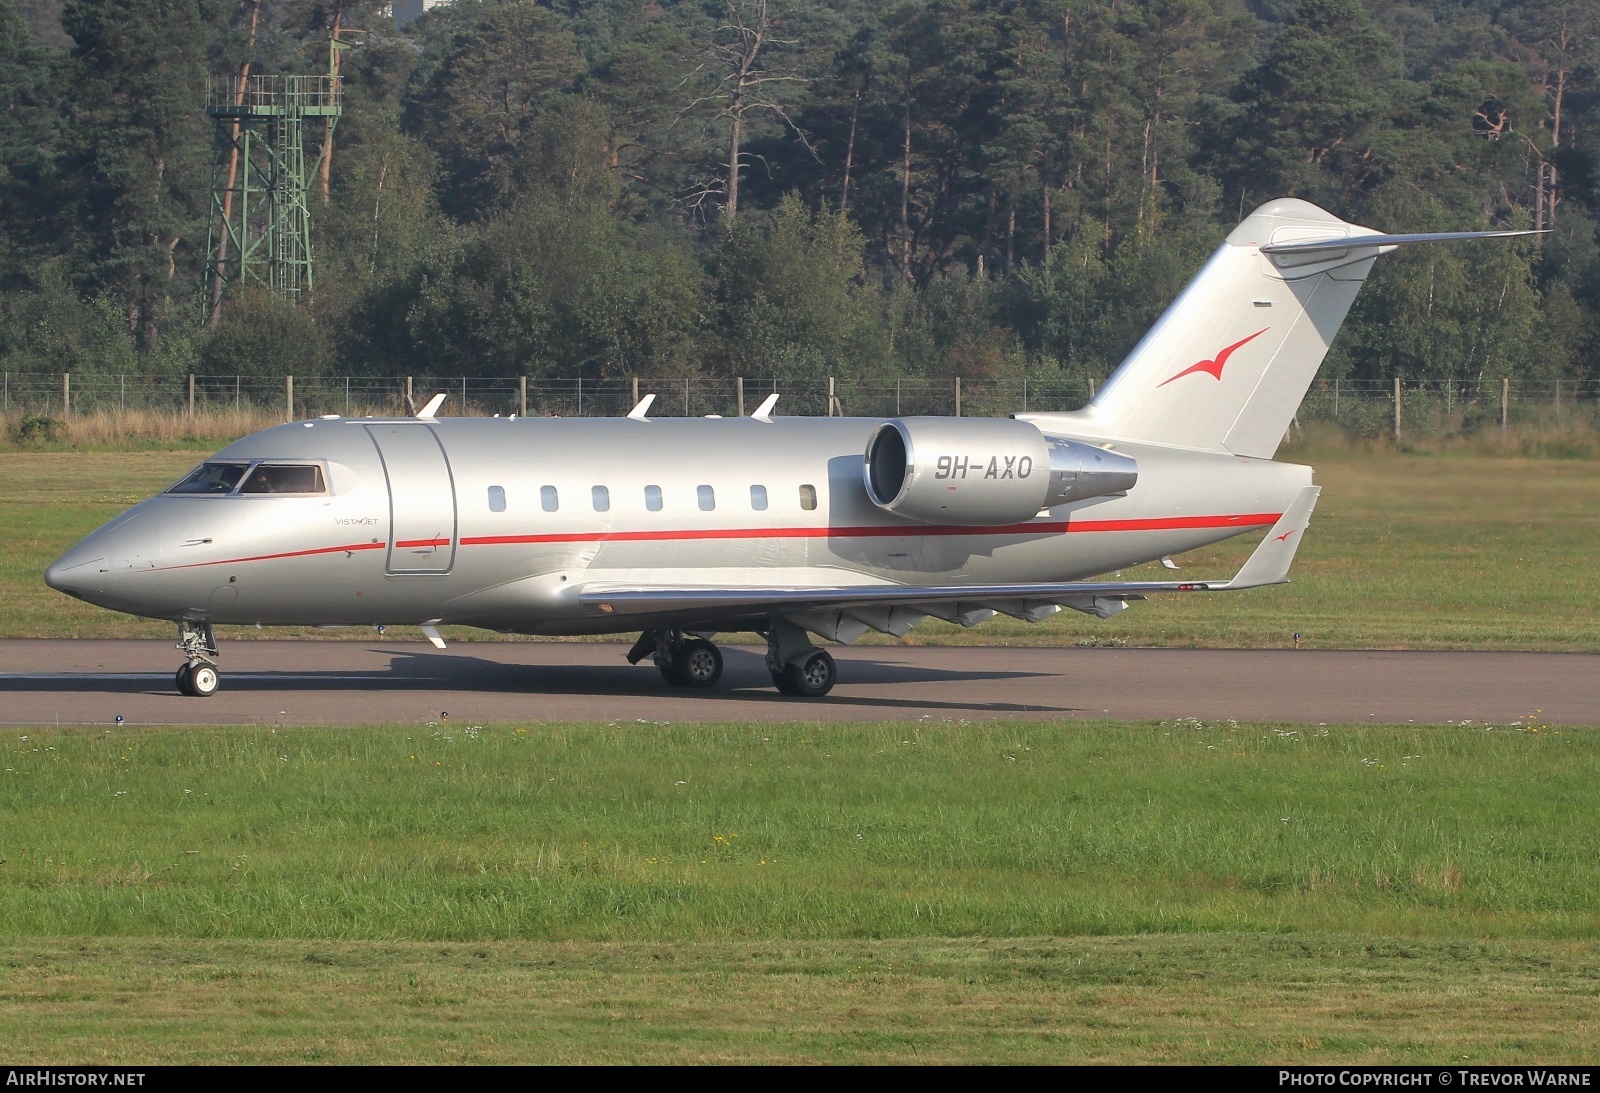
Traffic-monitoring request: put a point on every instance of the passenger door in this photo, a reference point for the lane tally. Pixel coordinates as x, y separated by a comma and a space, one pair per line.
422, 498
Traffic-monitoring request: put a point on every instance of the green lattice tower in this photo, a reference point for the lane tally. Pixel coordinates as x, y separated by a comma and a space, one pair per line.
260, 230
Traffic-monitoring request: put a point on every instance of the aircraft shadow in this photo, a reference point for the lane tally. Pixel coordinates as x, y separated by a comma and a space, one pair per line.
744, 679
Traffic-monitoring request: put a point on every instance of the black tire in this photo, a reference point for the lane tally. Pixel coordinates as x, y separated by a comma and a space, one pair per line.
183, 679
780, 680
813, 677
204, 680
698, 664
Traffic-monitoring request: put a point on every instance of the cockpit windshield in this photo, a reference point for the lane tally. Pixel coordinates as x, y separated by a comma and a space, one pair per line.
284, 478
212, 478
224, 478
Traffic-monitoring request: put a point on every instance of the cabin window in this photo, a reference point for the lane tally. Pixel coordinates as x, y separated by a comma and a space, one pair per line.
497, 499
652, 498
548, 499
708, 498
284, 478
602, 499
211, 478
758, 498
808, 497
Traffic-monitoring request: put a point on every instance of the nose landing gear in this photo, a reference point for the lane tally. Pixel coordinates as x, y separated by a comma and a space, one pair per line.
197, 677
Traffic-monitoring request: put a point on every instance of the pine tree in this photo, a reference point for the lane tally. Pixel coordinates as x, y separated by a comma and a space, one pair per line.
135, 166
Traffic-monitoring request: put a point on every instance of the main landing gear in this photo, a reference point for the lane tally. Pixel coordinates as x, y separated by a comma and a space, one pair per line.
198, 676
798, 667
683, 661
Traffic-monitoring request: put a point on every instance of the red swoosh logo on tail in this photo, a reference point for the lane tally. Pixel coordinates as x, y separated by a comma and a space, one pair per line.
1214, 367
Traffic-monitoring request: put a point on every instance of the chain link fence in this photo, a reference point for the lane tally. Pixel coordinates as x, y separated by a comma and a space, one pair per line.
1372, 409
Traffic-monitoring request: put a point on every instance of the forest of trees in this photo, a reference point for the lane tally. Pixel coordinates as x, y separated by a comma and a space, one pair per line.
785, 188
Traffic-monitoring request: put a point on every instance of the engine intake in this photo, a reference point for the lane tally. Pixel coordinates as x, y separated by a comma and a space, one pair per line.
981, 471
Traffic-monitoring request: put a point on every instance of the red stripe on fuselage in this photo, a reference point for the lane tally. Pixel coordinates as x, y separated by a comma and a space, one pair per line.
1046, 527
283, 554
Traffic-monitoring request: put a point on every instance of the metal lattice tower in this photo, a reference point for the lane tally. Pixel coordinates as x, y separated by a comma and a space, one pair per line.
260, 231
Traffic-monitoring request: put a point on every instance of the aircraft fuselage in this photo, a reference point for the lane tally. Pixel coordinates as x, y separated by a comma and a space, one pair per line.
498, 522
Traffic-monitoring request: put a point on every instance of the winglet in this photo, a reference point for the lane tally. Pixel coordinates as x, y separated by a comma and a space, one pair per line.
427, 412
764, 411
638, 412
1271, 560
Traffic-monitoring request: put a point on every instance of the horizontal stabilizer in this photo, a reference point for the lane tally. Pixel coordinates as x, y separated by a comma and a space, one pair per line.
1355, 241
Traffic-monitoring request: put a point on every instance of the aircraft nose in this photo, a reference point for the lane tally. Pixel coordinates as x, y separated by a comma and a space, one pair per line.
77, 574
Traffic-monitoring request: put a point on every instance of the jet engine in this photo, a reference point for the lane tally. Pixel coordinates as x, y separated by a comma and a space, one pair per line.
984, 471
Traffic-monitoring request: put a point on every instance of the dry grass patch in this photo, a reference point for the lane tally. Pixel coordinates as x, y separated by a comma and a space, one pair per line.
1154, 999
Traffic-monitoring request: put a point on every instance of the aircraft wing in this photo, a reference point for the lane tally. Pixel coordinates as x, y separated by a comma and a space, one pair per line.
874, 606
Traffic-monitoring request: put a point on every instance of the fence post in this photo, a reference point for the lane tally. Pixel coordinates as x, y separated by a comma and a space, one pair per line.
522, 396
685, 396
958, 396
8, 392
738, 382
1336, 399
66, 394
463, 396
830, 396
410, 405
580, 396
1558, 400
122, 388
1091, 388
288, 398
1397, 409
191, 396
1024, 394
1505, 399
633, 384
236, 392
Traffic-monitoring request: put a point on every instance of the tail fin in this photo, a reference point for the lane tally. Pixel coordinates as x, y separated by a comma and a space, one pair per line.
1226, 367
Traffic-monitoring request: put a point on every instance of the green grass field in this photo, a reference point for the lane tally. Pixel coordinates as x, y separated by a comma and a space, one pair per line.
1016, 892
800, 893
1405, 551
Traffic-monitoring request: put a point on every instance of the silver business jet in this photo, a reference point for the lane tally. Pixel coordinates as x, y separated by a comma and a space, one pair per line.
791, 527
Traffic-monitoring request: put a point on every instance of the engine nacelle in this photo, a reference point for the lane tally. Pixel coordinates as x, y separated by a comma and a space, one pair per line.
984, 471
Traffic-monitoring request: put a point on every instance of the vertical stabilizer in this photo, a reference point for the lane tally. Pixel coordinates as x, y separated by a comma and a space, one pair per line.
1227, 365
1225, 368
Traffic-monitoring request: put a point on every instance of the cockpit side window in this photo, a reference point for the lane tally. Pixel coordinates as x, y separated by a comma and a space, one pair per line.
214, 478
285, 478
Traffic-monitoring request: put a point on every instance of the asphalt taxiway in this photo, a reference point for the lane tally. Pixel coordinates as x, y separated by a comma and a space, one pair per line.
359, 682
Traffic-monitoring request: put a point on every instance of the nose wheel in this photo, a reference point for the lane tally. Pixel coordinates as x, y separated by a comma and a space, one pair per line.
198, 680
198, 676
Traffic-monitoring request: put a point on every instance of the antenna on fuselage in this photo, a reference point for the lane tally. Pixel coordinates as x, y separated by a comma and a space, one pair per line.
427, 412
764, 411
638, 412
